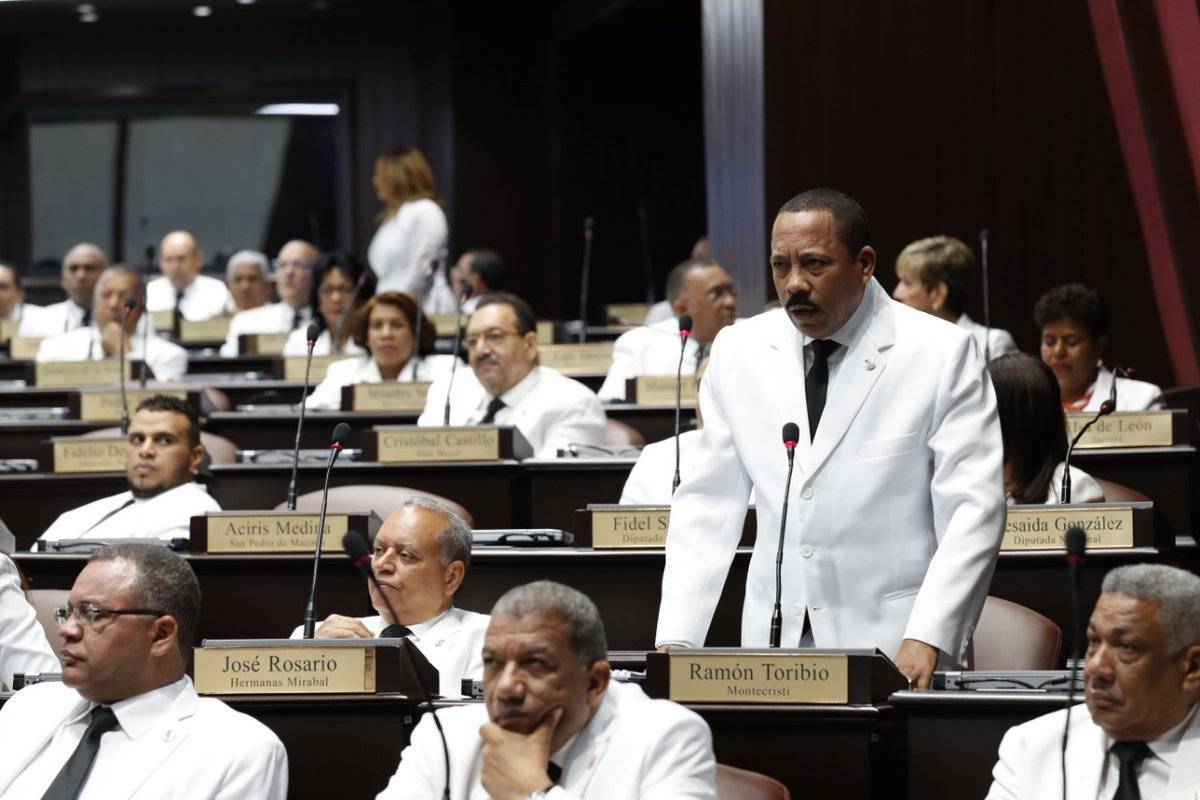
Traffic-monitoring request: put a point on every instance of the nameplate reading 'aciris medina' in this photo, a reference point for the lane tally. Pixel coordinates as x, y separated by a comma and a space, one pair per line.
106, 406
577, 359
271, 533
285, 670
1124, 429
1044, 527
293, 367
79, 455
80, 373
759, 677
387, 396
404, 444
659, 390
644, 526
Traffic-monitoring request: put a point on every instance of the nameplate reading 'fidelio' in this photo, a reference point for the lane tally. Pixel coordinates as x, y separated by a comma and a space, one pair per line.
262, 344
162, 320
748, 676
293, 367
285, 670
1124, 429
208, 330
79, 373
105, 406
407, 443
445, 325
630, 526
24, 348
658, 390
387, 396
1044, 527
270, 533
79, 455
578, 359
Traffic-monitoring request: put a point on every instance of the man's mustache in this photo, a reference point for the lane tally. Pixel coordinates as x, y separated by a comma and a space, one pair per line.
800, 300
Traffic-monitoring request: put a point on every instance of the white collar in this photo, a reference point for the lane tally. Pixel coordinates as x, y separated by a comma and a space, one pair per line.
516, 394
1166, 747
140, 713
849, 332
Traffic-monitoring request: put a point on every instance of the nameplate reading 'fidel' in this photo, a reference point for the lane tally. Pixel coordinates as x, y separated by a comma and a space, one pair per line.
106, 406
407, 443
577, 359
446, 325
24, 348
271, 533
630, 526
262, 344
1123, 429
387, 396
659, 390
749, 676
293, 367
80, 373
77, 455
1044, 527
208, 330
162, 320
285, 670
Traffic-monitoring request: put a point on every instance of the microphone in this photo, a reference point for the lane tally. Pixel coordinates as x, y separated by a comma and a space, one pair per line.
1076, 541
588, 224
791, 435
127, 308
144, 323
685, 330
458, 326
336, 343
1106, 408
985, 237
311, 335
341, 433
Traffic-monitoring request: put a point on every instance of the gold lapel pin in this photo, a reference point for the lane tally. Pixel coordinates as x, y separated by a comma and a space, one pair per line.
869, 364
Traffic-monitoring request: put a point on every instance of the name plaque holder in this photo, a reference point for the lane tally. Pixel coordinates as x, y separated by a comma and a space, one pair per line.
627, 313
446, 325
163, 320
659, 390
1108, 526
24, 348
589, 358
406, 444
1132, 429
386, 396
311, 666
262, 344
608, 526
208, 331
73, 374
9, 328
293, 367
104, 405
77, 455
770, 676
545, 331
249, 532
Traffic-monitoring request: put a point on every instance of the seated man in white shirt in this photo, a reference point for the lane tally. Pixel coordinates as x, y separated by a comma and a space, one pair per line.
182, 289
13, 307
81, 268
700, 288
507, 386
1140, 734
553, 724
935, 277
102, 339
23, 645
164, 454
248, 279
420, 557
126, 721
293, 281
650, 481
483, 270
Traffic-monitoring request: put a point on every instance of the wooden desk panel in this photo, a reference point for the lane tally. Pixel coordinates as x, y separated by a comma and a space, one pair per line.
1170, 476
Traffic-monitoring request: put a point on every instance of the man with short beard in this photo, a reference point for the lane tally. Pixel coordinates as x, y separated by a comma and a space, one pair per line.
163, 456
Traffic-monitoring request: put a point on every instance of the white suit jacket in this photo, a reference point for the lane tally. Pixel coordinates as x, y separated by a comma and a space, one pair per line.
897, 508
1131, 395
168, 361
201, 749
1000, 341
203, 298
363, 369
165, 516
647, 350
54, 319
1030, 766
23, 645
633, 748
272, 318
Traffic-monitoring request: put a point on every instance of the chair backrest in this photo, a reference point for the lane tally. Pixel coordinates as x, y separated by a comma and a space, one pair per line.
1010, 636
1116, 493
217, 449
44, 601
621, 434
742, 784
383, 500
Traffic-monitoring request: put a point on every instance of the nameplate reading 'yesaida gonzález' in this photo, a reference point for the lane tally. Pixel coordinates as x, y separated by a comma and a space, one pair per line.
1124, 429
80, 373
248, 532
293, 367
387, 396
577, 359
1107, 526
630, 526
753, 676
78, 455
283, 669
659, 390
401, 444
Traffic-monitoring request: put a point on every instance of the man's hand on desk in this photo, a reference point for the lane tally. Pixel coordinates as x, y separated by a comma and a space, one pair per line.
336, 626
916, 661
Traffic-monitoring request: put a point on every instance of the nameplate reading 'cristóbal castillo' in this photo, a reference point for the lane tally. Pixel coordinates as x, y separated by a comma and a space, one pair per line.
749, 676
285, 670
1044, 527
401, 444
630, 526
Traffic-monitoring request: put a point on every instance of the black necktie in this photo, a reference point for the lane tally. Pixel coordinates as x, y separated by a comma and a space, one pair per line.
816, 382
554, 771
177, 315
396, 631
701, 352
74, 774
295, 320
493, 408
1129, 756
87, 318
114, 512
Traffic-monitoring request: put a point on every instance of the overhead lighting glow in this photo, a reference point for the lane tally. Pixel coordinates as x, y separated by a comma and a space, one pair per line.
300, 109
202, 11
89, 16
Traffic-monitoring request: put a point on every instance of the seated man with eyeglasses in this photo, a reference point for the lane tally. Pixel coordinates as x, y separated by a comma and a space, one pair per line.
507, 386
126, 720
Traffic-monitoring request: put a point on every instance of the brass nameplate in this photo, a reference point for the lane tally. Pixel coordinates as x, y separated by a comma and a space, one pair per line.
630, 527
293, 367
749, 676
9, 328
265, 344
163, 320
285, 670
80, 373
208, 330
106, 406
89, 455
389, 396
577, 359
446, 325
657, 390
24, 348
271, 533
410, 443
545, 331
1043, 527
1123, 429
627, 313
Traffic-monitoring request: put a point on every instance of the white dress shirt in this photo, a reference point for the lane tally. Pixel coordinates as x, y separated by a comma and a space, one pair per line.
272, 318
406, 244
165, 516
993, 342
297, 345
647, 350
550, 409
23, 644
452, 642
658, 312
203, 298
649, 482
1131, 395
54, 319
24, 311
364, 369
167, 360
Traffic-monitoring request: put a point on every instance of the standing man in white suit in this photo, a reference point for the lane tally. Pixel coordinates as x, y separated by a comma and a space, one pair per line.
897, 502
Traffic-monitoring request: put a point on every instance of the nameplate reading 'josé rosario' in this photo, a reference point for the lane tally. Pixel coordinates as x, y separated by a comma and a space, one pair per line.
106, 405
79, 373
271, 533
1044, 527
89, 455
759, 677
285, 670
388, 396
630, 527
1123, 429
657, 390
407, 444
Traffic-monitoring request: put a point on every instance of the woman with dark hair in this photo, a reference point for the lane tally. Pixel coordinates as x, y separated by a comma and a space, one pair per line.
334, 285
1034, 430
386, 328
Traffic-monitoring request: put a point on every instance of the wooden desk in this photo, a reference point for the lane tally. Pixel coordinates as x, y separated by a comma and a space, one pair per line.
555, 488
266, 430
23, 439
653, 422
1170, 476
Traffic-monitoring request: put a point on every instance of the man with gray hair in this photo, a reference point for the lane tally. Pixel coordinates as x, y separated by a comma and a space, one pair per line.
293, 280
1141, 735
126, 720
553, 724
81, 268
248, 278
420, 557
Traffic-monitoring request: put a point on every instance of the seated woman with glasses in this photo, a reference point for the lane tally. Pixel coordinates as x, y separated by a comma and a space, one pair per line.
387, 328
334, 296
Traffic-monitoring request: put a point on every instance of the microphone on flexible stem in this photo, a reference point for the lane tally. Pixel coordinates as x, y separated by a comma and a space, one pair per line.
985, 238
685, 330
126, 309
1106, 408
355, 545
341, 433
311, 336
791, 435
588, 224
336, 333
1076, 541
458, 326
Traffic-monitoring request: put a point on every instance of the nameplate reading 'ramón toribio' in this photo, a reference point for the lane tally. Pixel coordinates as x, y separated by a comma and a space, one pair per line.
1044, 527
24, 348
208, 330
577, 359
162, 320
630, 527
387, 396
285, 670
271, 533
1123, 429
409, 443
79, 373
293, 367
446, 325
106, 405
659, 390
748, 676
262, 344
78, 455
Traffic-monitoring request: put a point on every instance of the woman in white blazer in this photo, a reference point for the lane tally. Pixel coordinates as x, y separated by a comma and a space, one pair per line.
335, 280
386, 328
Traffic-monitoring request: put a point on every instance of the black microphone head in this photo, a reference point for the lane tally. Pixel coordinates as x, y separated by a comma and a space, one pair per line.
130, 304
355, 545
1107, 407
685, 323
985, 234
466, 290
341, 433
313, 332
1076, 541
791, 434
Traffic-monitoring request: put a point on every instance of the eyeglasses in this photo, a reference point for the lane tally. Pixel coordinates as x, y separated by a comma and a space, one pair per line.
90, 613
492, 338
330, 291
